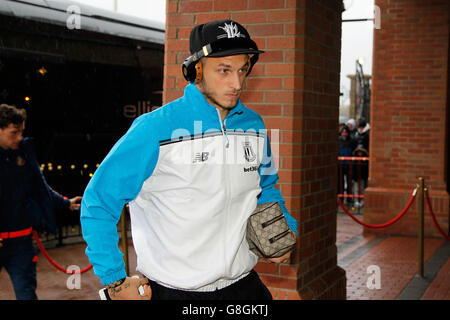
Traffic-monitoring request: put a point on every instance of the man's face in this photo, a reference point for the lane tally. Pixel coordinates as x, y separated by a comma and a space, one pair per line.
222, 80
11, 136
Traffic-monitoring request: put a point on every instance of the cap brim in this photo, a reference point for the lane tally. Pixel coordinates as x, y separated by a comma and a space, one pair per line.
235, 51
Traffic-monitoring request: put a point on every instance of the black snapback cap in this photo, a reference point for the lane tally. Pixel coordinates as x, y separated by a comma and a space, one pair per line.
222, 38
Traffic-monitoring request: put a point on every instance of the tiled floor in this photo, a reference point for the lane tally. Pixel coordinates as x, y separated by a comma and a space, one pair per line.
394, 259
440, 288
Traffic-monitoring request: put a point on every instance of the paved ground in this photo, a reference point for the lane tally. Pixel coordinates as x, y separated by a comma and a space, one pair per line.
395, 260
364, 257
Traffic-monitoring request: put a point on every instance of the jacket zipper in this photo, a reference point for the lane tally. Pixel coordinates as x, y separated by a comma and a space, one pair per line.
224, 129
226, 145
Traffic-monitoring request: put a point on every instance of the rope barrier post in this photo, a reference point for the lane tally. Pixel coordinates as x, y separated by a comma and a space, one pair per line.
420, 231
124, 238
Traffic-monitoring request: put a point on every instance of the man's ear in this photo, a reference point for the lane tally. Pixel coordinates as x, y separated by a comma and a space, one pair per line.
198, 72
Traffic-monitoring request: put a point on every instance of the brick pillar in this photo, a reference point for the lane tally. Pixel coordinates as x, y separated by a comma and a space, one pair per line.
295, 88
409, 111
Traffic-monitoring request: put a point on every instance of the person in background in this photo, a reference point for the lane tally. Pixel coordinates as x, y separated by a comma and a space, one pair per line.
341, 125
26, 202
362, 135
360, 174
346, 147
351, 124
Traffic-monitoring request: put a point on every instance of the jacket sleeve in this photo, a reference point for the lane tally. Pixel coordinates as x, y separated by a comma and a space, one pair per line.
116, 182
44, 200
268, 179
59, 201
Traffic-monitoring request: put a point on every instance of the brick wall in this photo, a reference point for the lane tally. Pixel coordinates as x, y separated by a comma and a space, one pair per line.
295, 87
409, 110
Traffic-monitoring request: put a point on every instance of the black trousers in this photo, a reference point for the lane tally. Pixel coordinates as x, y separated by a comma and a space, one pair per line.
248, 288
16, 256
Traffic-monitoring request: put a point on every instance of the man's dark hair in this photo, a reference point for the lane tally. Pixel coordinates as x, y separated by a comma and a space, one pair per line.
362, 124
11, 115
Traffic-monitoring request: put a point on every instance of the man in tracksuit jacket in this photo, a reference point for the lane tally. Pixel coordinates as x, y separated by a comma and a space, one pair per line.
26, 202
192, 172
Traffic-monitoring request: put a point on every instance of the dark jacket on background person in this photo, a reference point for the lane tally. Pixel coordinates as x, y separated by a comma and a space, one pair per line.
362, 135
346, 145
26, 200
360, 168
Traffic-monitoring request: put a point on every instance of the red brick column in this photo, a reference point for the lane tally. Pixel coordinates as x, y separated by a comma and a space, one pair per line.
409, 111
295, 87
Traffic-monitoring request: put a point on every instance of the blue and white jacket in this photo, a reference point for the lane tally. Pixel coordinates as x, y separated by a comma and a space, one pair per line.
191, 180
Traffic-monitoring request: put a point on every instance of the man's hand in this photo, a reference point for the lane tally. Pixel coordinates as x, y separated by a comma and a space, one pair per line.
129, 290
75, 203
284, 258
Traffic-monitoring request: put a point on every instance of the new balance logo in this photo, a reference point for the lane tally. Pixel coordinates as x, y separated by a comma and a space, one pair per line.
201, 157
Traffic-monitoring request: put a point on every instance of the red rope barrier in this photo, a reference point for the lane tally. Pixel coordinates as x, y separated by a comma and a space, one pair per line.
360, 196
411, 200
354, 158
52, 262
427, 198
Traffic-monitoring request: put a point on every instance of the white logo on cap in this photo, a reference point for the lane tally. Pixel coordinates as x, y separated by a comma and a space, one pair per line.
231, 30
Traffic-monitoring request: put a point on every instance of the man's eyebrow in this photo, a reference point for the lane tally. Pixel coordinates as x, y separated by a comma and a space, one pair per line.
230, 66
224, 65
